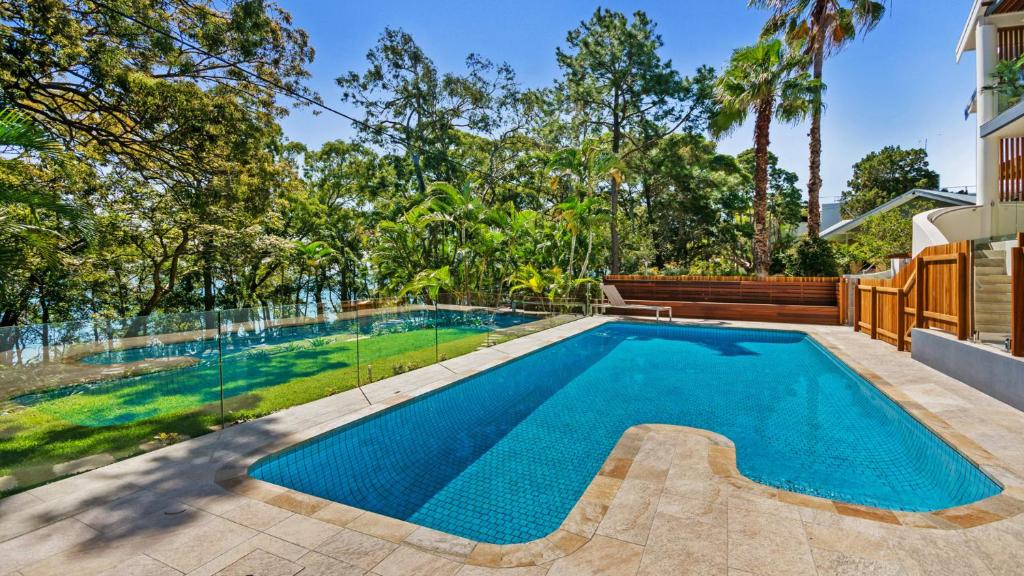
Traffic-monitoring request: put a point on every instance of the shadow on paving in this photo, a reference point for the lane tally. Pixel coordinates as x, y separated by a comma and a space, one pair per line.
164, 503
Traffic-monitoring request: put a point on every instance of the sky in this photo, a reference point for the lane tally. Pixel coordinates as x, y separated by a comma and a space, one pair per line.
898, 85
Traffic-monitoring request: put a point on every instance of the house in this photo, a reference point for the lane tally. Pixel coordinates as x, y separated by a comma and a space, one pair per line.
841, 230
994, 31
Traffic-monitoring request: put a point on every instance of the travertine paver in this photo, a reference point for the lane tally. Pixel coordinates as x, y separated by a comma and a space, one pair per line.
669, 500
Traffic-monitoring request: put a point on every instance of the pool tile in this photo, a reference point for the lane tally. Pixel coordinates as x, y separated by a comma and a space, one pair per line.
805, 501
484, 554
440, 542
602, 490
709, 511
303, 531
537, 552
600, 557
192, 545
356, 548
681, 545
382, 527
768, 544
968, 516
317, 564
631, 513
833, 563
257, 515
141, 565
298, 502
405, 561
470, 570
566, 542
338, 514
585, 518
872, 545
262, 563
35, 546
866, 512
616, 467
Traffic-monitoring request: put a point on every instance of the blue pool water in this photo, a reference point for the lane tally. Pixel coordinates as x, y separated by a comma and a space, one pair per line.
502, 457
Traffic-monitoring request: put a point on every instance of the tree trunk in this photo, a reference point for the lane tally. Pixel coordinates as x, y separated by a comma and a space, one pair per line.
616, 263
762, 127
659, 258
814, 170
209, 301
44, 305
318, 288
420, 181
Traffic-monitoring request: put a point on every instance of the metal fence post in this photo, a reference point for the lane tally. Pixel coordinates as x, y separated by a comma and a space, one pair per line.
220, 369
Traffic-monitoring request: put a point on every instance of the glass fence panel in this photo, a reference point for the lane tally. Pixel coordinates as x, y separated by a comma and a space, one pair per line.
396, 335
275, 357
491, 318
992, 292
1007, 220
78, 395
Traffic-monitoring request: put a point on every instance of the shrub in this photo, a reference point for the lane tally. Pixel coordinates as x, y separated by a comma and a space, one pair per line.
812, 257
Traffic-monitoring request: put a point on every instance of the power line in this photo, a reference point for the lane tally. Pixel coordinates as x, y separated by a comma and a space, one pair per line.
281, 89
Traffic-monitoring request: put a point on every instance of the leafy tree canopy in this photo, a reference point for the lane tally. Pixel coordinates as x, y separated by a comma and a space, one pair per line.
883, 175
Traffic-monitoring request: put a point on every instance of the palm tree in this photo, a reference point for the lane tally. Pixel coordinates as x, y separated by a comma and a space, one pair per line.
772, 82
20, 207
823, 27
582, 169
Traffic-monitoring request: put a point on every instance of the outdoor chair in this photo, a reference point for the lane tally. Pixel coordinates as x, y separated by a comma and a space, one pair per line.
611, 293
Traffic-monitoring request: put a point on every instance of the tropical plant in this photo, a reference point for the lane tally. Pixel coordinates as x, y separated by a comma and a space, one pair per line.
822, 28
619, 83
771, 81
429, 283
22, 204
1008, 80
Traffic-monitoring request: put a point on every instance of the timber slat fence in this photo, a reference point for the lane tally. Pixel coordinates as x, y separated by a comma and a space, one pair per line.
813, 300
933, 291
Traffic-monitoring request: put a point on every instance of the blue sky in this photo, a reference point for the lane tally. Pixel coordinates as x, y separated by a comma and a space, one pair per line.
899, 85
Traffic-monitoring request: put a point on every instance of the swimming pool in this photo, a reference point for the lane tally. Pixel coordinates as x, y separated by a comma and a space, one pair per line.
503, 456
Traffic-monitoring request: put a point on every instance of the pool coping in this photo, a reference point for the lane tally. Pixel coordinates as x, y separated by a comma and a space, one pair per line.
581, 524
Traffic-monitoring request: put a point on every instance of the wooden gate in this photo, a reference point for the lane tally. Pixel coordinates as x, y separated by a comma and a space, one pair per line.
933, 291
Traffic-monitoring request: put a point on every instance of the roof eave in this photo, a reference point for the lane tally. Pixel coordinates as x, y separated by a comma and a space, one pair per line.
966, 43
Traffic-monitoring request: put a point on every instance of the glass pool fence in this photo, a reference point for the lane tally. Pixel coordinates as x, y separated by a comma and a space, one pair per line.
78, 395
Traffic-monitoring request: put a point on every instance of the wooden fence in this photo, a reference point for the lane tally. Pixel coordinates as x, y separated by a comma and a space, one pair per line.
933, 291
1017, 299
773, 299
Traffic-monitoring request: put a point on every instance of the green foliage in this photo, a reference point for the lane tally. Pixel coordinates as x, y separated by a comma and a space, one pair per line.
812, 257
821, 28
616, 81
883, 175
882, 236
456, 181
768, 79
1007, 81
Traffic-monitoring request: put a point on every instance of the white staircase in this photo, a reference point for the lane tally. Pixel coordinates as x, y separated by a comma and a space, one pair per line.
992, 294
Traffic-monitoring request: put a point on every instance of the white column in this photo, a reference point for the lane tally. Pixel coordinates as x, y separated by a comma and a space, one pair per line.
988, 148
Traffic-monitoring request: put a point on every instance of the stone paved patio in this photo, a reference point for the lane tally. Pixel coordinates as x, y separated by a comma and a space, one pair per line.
668, 501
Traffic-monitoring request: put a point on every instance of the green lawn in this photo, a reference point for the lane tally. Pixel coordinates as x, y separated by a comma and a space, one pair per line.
115, 420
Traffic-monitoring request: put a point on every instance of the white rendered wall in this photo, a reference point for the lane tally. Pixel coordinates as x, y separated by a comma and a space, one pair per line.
988, 148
